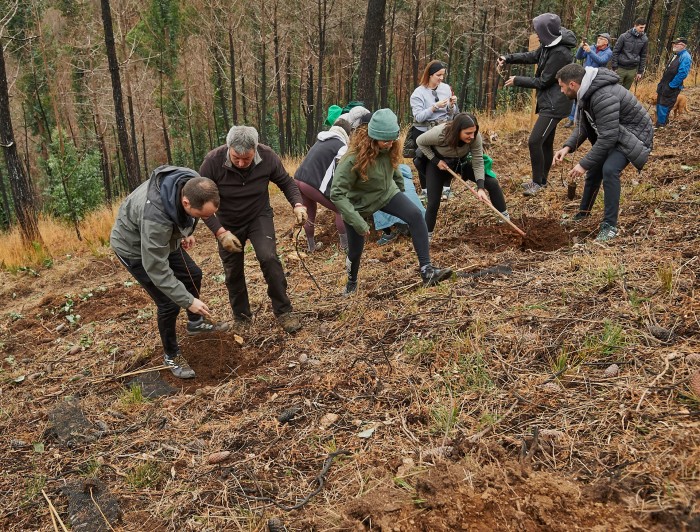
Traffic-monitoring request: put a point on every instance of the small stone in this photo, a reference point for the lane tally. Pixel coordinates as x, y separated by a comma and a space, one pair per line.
216, 458
613, 370
18, 444
303, 358
288, 414
327, 420
74, 350
60, 327
551, 387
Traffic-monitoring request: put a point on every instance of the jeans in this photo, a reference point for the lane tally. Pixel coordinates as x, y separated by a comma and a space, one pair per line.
541, 145
438, 178
188, 273
261, 233
401, 207
609, 175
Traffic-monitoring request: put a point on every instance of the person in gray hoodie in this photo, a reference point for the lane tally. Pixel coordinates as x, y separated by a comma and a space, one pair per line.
151, 234
554, 52
619, 129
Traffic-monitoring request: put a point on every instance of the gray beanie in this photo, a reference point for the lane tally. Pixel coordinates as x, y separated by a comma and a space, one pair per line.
605, 36
383, 125
547, 27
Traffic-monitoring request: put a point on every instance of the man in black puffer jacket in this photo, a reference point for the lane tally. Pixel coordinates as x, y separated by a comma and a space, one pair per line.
619, 129
554, 52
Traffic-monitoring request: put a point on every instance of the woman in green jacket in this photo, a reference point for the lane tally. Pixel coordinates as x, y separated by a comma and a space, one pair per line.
367, 180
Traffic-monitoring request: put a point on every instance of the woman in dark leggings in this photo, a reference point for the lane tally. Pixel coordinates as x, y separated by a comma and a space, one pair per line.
367, 180
457, 145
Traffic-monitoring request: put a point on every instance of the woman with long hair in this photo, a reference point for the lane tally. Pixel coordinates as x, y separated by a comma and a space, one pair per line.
457, 145
432, 103
366, 180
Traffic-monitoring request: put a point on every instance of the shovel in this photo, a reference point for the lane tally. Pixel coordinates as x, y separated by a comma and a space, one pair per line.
494, 209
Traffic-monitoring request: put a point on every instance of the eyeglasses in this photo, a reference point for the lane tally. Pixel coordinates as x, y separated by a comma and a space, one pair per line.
436, 96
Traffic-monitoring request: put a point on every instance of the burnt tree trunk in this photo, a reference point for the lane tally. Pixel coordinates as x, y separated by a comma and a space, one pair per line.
132, 171
21, 186
374, 24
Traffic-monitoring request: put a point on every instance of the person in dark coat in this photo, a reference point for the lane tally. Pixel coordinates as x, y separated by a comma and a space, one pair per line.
671, 83
151, 235
314, 178
619, 129
554, 52
629, 57
242, 170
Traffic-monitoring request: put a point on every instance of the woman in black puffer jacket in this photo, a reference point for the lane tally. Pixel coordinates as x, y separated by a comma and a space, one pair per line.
554, 52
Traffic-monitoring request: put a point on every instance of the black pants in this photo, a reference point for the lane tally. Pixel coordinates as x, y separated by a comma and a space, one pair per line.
439, 178
541, 144
401, 207
608, 174
188, 273
261, 233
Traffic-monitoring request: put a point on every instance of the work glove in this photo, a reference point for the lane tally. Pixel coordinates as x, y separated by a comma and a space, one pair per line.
230, 242
301, 215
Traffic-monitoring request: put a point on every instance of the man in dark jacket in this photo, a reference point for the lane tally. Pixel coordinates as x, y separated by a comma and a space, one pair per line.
153, 229
243, 169
619, 129
629, 58
671, 83
554, 52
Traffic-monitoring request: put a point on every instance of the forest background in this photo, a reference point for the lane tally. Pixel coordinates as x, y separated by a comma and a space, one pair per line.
98, 93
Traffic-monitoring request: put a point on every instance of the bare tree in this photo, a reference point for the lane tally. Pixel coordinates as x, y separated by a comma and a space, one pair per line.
374, 24
132, 171
21, 186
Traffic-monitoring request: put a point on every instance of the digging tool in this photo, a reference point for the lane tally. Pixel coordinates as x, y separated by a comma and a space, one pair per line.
494, 209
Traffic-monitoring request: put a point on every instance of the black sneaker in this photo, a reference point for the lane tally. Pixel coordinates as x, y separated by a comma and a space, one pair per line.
350, 288
179, 366
206, 327
432, 275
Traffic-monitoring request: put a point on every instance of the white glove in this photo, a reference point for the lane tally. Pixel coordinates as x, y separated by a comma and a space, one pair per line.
230, 242
300, 213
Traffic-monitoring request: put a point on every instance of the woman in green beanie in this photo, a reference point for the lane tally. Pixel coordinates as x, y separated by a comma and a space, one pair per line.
367, 180
457, 146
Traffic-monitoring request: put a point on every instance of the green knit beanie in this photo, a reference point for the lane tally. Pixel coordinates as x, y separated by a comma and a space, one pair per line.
383, 125
334, 111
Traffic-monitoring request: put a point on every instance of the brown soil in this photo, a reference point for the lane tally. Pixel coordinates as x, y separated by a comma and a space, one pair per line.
435, 393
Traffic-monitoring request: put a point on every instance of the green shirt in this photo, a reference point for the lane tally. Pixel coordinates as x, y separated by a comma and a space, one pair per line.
355, 198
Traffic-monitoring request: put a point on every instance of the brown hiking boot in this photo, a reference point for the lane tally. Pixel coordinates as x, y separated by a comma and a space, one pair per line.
289, 322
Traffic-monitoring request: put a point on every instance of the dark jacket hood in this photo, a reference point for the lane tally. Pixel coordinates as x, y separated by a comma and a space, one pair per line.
169, 181
568, 38
547, 27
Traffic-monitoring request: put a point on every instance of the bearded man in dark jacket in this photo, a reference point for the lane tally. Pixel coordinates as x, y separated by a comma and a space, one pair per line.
619, 129
242, 170
554, 52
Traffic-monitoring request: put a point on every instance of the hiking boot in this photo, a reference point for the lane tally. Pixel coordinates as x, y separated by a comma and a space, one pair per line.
289, 322
423, 195
506, 216
179, 366
387, 237
350, 288
447, 194
432, 275
194, 328
607, 232
531, 189
402, 229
